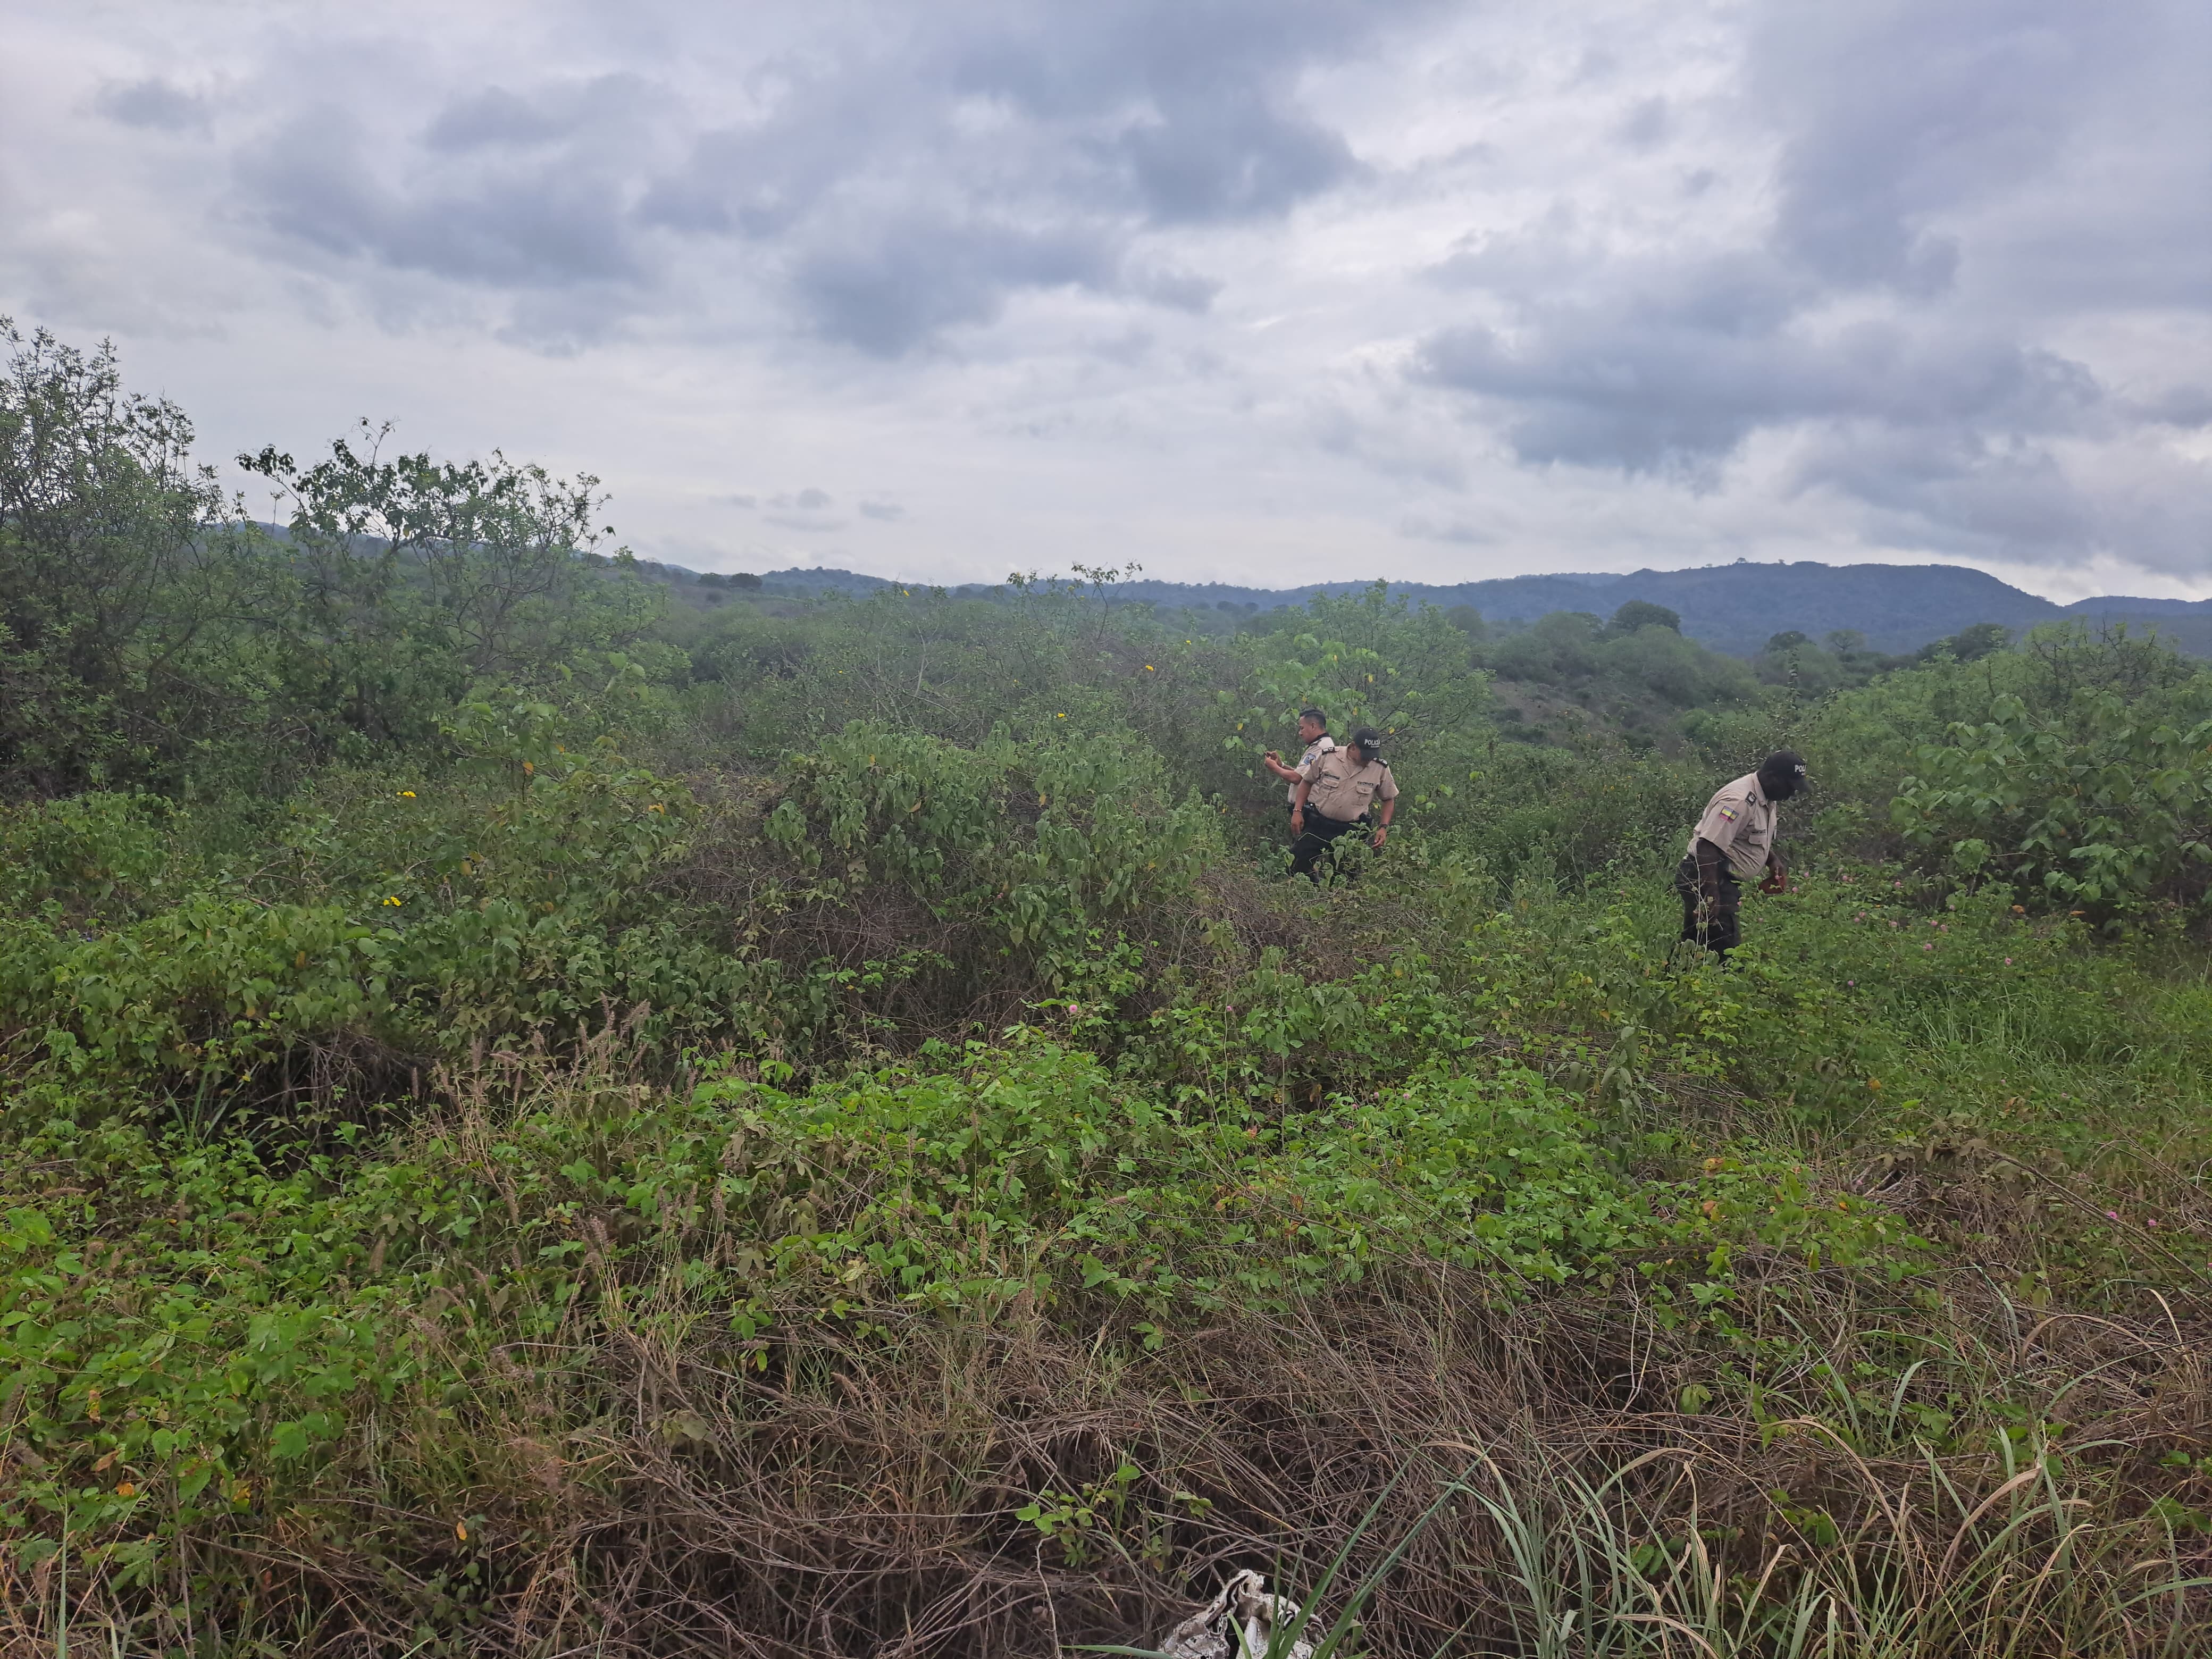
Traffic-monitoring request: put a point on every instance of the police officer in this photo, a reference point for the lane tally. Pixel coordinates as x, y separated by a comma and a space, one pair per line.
1313, 732
1333, 799
1733, 843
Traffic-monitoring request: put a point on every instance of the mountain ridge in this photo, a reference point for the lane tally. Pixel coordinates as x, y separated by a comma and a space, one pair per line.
1734, 607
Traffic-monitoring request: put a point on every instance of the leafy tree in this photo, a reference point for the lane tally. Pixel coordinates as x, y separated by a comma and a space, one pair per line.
120, 594
1553, 649
1642, 613
1969, 644
415, 579
1679, 671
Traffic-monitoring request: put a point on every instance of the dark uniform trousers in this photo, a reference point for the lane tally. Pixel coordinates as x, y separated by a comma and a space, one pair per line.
1319, 834
1715, 926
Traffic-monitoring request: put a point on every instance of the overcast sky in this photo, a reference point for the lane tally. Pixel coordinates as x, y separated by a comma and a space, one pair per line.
1263, 291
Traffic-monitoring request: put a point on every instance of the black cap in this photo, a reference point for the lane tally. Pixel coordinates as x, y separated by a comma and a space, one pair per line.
1367, 741
1781, 773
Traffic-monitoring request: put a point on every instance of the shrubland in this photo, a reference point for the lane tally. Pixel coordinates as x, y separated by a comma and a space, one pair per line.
533, 1126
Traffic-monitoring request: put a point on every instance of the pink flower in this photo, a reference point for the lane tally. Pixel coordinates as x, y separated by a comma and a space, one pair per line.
1928, 947
2008, 962
2111, 1215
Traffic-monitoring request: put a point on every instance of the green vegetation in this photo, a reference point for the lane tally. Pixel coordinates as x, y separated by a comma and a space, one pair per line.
537, 1123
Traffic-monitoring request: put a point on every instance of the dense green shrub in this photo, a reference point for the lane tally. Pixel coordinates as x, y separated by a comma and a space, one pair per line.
2106, 808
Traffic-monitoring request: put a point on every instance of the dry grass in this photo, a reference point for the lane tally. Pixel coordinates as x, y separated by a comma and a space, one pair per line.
654, 1487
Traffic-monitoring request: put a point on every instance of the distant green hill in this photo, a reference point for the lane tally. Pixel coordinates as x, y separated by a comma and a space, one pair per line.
1732, 607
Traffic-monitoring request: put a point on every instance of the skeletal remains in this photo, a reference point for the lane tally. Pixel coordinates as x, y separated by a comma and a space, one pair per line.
1240, 1623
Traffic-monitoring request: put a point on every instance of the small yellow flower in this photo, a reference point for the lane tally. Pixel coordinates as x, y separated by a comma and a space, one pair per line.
1148, 668
394, 899
1059, 717
461, 1530
126, 1490
657, 807
407, 794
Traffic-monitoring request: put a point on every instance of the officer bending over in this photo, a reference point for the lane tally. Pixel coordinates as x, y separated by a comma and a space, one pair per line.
1733, 843
1333, 799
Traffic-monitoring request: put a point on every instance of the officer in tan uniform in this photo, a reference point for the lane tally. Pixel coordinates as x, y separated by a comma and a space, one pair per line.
1313, 732
1333, 798
1733, 843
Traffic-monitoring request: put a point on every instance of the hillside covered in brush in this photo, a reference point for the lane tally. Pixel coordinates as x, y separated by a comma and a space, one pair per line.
1733, 608
539, 1119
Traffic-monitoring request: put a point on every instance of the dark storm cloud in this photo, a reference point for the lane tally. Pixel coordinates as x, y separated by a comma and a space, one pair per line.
1682, 366
1193, 107
524, 190
914, 280
1176, 289
1942, 432
1230, 158
498, 116
919, 185
806, 511
152, 103
534, 223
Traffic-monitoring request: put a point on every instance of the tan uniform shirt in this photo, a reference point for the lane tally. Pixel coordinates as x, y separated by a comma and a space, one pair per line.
1323, 745
1739, 820
1342, 791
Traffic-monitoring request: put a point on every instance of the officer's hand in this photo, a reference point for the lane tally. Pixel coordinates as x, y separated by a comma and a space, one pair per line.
1297, 822
1271, 758
1381, 832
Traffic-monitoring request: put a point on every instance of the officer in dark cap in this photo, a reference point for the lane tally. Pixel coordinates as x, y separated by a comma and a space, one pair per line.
1333, 798
1733, 843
